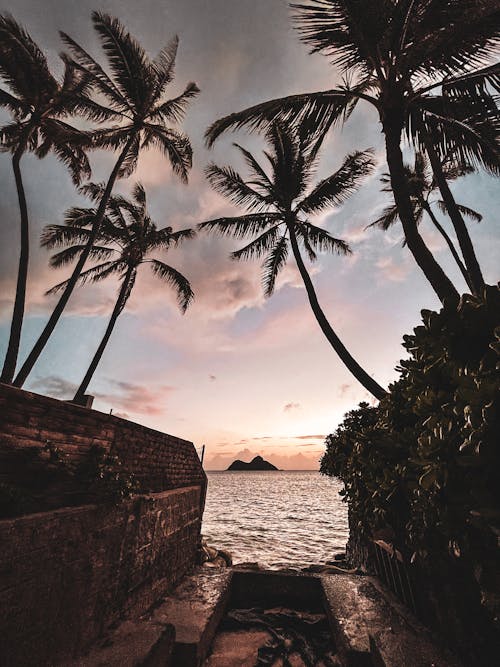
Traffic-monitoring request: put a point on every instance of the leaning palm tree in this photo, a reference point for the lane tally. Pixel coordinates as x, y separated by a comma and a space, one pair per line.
396, 55
279, 204
126, 240
39, 105
423, 186
134, 92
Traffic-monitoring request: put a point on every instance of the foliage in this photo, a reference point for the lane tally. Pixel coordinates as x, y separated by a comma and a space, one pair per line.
48, 476
101, 474
425, 461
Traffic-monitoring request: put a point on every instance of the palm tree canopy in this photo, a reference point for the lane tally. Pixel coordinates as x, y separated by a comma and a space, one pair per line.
127, 239
38, 102
280, 195
422, 185
426, 61
134, 90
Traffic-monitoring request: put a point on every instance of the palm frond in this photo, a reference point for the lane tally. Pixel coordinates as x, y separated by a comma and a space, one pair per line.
320, 109
255, 168
23, 66
320, 239
259, 246
347, 32
179, 282
465, 210
242, 226
390, 215
163, 66
16, 106
227, 182
131, 158
174, 145
100, 79
338, 187
127, 59
174, 110
93, 275
70, 254
56, 236
273, 264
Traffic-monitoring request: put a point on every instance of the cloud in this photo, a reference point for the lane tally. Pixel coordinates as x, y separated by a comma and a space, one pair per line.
54, 386
123, 397
291, 406
394, 271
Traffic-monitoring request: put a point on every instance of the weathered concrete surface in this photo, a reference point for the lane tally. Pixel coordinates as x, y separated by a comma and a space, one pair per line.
195, 609
369, 630
237, 648
142, 643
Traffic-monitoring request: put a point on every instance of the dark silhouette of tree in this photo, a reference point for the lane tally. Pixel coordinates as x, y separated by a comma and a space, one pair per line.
39, 105
422, 185
134, 92
279, 202
126, 240
423, 64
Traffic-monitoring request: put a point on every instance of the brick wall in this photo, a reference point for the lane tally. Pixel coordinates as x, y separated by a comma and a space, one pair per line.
29, 421
67, 575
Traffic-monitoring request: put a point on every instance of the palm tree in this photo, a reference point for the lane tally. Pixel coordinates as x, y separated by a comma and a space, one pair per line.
422, 186
135, 95
39, 104
395, 55
126, 240
279, 206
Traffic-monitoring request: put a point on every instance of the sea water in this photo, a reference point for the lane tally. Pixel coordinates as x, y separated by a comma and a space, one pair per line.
277, 519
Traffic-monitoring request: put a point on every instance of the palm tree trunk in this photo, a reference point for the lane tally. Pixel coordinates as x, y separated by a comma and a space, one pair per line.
451, 246
439, 281
61, 304
9, 367
476, 281
352, 365
119, 306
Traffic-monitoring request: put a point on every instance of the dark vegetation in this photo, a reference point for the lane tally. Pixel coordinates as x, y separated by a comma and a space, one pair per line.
45, 479
421, 468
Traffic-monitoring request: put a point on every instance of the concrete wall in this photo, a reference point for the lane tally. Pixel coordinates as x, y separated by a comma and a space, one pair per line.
68, 574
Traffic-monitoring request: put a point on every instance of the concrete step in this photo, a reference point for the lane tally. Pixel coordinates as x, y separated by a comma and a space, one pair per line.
195, 609
370, 630
142, 643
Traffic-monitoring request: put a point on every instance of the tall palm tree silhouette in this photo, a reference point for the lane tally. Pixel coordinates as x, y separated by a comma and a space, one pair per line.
422, 185
39, 105
396, 56
135, 94
126, 241
280, 203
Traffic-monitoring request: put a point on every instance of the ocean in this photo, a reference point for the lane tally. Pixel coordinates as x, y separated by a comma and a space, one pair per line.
294, 518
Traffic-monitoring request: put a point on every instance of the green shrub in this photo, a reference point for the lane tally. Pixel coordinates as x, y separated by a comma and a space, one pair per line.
425, 461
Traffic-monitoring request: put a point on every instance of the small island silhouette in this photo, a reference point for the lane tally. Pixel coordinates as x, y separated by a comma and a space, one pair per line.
257, 463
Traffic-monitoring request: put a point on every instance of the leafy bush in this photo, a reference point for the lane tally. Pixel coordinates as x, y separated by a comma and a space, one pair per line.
425, 462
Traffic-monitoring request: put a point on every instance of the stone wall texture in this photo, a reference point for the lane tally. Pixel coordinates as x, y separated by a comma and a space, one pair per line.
70, 573
29, 421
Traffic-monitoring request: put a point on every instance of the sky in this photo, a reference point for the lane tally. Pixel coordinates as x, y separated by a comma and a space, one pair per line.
240, 373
